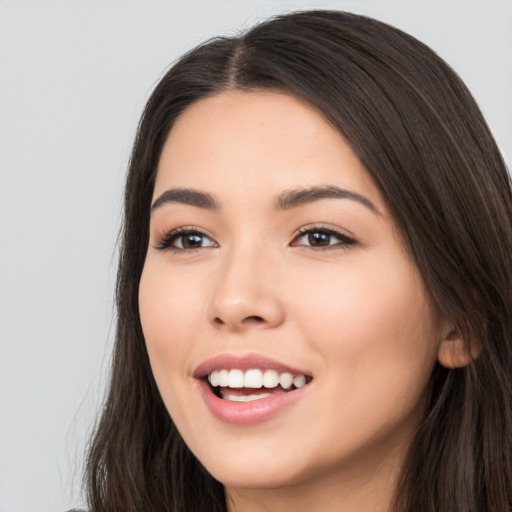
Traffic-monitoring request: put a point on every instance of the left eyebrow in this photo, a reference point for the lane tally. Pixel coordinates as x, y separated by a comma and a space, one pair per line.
294, 198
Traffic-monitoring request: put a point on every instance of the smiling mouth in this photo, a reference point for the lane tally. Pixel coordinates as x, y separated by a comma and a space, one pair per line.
236, 385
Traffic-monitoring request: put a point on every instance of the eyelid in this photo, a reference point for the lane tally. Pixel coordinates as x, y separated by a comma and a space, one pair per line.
164, 241
345, 240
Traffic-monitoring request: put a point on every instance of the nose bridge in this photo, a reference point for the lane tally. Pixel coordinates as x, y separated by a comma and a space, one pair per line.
245, 294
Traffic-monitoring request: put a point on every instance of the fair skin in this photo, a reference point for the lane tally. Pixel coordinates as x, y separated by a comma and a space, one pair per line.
323, 285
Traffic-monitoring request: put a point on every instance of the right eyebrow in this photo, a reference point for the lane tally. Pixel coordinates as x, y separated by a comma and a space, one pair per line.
186, 196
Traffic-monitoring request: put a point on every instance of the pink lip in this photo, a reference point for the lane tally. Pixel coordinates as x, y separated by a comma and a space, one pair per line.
248, 413
255, 411
243, 362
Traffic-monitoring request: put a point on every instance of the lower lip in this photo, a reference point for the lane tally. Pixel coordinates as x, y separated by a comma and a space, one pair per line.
249, 413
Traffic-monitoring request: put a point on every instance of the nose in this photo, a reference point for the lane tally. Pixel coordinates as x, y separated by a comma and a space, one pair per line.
246, 295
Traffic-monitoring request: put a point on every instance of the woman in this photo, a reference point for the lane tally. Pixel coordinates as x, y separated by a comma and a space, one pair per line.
314, 290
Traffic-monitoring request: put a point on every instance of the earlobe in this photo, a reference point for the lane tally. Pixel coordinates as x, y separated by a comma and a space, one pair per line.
456, 352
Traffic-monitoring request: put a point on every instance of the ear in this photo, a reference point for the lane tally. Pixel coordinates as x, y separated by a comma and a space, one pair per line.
456, 352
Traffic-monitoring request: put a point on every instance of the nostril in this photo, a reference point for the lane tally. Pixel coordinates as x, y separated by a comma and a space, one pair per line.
236, 319
255, 319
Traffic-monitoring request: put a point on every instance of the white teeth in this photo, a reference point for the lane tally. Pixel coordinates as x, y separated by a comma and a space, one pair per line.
286, 380
214, 378
224, 378
255, 379
236, 379
299, 381
270, 379
248, 398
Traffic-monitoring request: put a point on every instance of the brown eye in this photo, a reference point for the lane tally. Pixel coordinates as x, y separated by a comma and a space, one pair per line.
183, 239
323, 238
319, 239
190, 241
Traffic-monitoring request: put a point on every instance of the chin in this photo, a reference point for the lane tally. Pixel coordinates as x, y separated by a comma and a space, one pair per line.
252, 476
251, 465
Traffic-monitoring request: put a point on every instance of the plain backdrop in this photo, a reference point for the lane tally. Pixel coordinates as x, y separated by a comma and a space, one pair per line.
74, 76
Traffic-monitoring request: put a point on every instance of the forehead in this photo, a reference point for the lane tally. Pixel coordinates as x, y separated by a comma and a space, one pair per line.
258, 141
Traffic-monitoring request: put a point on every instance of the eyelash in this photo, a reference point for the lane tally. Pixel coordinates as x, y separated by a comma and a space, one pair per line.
344, 241
167, 240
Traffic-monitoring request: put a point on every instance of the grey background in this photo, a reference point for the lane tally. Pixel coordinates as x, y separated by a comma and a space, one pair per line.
74, 76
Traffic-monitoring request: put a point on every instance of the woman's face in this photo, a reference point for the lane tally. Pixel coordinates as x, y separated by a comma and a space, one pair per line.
273, 258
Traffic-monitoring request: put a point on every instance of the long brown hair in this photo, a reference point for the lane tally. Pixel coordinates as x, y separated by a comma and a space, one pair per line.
420, 134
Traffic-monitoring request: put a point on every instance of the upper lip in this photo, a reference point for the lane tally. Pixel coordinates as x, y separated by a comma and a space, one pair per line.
244, 362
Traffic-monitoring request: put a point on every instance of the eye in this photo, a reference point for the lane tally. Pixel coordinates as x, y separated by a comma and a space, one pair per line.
322, 238
185, 239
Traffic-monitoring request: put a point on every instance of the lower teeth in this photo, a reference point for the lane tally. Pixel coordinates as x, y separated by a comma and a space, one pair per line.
248, 398
247, 394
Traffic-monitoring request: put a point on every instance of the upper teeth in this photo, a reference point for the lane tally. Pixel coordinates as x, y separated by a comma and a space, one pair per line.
255, 378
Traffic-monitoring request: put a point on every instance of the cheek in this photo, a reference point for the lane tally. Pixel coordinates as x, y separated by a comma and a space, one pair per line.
170, 305
376, 336
374, 321
169, 308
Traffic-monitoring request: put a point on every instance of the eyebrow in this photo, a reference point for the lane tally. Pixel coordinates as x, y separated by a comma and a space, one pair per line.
186, 196
294, 198
286, 201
